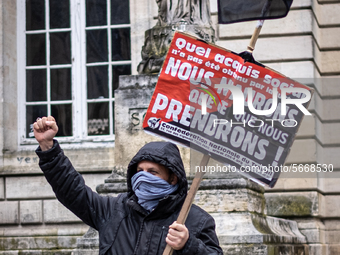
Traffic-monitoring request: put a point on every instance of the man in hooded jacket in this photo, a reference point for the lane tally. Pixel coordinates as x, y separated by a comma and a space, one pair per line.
141, 221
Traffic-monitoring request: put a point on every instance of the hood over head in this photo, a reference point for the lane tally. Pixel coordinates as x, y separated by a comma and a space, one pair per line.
164, 153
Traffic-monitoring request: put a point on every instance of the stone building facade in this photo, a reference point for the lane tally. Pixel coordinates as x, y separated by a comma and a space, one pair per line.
304, 46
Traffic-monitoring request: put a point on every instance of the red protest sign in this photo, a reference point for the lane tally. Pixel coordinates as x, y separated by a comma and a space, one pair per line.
242, 114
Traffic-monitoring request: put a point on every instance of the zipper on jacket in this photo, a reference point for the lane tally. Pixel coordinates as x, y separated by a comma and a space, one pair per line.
139, 237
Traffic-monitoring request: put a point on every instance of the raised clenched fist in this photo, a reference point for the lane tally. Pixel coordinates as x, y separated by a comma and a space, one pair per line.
45, 129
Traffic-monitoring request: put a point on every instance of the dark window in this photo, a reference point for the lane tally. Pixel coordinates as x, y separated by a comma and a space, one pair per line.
120, 12
35, 14
60, 47
63, 116
98, 119
36, 85
97, 82
61, 84
120, 44
59, 14
36, 49
96, 46
96, 13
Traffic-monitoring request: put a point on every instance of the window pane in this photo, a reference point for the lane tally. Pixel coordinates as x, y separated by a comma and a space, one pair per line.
96, 46
60, 48
35, 14
32, 113
97, 82
36, 49
59, 13
96, 12
116, 71
120, 13
36, 85
98, 119
61, 84
120, 44
63, 116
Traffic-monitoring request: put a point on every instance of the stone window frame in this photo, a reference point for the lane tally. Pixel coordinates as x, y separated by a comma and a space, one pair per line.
78, 76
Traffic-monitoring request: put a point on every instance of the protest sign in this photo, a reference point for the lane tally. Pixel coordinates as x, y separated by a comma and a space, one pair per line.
241, 114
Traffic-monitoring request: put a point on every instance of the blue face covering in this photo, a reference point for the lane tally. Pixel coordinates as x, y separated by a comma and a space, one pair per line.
150, 189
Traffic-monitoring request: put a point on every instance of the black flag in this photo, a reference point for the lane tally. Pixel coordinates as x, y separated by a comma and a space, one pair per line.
230, 11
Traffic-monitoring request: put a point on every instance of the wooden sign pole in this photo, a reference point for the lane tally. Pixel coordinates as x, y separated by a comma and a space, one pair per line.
255, 36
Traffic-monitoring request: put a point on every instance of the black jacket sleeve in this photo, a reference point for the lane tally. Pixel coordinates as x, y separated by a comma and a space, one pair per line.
70, 189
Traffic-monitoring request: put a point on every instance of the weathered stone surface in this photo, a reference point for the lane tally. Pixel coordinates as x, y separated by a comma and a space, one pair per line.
89, 251
327, 61
330, 156
240, 200
9, 212
265, 249
21, 162
327, 14
331, 206
241, 228
98, 158
295, 182
333, 236
328, 85
333, 249
298, 70
2, 189
329, 133
28, 187
9, 252
45, 242
10, 77
275, 49
324, 108
89, 157
303, 151
301, 3
92, 180
317, 249
55, 212
294, 204
330, 184
227, 182
31, 212
326, 38
45, 230
313, 229
38, 252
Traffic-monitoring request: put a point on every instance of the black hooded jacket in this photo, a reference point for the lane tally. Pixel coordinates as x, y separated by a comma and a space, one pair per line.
124, 227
